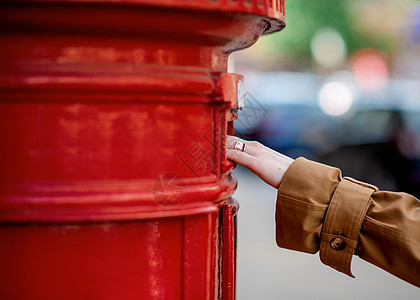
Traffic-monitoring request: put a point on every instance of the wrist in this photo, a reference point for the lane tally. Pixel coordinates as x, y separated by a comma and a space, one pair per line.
284, 164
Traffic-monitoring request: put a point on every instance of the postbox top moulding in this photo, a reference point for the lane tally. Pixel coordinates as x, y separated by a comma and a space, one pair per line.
272, 10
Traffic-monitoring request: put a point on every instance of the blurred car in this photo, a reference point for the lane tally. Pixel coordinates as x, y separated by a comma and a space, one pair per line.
381, 147
378, 145
293, 129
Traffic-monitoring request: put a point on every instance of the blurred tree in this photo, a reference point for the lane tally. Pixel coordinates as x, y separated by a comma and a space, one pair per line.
361, 23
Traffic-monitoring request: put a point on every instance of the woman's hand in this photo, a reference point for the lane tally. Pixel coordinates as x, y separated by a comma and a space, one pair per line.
268, 164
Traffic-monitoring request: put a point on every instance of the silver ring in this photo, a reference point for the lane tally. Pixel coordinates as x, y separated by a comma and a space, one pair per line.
240, 146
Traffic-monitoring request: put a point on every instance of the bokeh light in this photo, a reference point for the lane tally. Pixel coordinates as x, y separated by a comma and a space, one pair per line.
328, 48
370, 69
335, 98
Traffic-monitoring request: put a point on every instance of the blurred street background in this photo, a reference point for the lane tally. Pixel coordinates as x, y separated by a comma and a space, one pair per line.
339, 85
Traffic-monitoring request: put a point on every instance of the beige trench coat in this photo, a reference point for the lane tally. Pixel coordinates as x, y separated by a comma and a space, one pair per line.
318, 210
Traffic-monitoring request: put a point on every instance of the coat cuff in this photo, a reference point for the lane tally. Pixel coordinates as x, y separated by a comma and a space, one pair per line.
319, 210
343, 221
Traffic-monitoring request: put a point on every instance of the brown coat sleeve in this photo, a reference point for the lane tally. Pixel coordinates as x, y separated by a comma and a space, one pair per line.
318, 210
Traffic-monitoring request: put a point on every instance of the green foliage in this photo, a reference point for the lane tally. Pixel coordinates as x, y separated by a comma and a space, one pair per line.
305, 17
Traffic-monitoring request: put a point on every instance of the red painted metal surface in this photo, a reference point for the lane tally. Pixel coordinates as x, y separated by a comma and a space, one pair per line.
113, 119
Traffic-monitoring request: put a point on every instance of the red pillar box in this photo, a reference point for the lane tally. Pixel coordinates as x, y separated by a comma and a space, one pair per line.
114, 182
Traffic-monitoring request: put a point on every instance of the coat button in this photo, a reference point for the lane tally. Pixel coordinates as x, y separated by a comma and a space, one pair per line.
338, 244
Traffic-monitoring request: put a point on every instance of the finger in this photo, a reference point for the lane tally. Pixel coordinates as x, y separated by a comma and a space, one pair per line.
231, 140
251, 146
242, 158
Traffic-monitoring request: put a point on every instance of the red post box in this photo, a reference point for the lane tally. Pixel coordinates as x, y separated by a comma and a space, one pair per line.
114, 182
